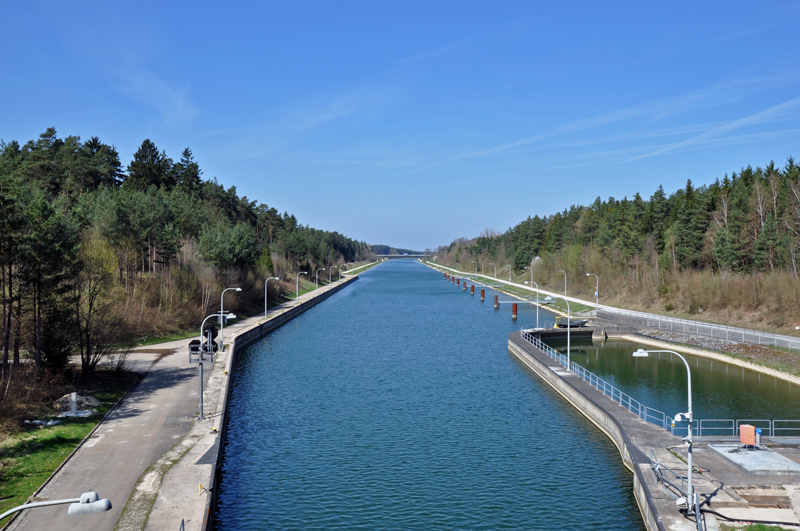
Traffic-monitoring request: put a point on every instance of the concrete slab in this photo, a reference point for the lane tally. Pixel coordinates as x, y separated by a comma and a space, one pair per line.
756, 462
752, 514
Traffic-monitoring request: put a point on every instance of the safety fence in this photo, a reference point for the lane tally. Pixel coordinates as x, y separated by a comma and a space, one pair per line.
700, 428
730, 333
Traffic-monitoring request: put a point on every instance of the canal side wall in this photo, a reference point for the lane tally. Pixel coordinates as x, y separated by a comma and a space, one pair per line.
632, 457
241, 340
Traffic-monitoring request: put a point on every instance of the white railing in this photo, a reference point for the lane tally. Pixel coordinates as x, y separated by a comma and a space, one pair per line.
730, 333
645, 413
700, 428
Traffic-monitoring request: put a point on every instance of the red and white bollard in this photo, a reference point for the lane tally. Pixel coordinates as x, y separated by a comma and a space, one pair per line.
496, 302
481, 294
472, 289
514, 312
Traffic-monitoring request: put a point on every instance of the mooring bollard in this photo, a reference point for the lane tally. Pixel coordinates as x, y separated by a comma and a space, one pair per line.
465, 286
496, 302
458, 282
514, 312
452, 280
481, 294
472, 289
445, 275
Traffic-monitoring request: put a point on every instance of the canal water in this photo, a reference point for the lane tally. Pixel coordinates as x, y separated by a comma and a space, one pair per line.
719, 390
395, 405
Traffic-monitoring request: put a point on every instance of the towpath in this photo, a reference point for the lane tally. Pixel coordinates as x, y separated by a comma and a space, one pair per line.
158, 412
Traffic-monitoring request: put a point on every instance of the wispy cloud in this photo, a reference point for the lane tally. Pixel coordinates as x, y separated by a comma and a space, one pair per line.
447, 48
273, 135
169, 100
768, 115
715, 95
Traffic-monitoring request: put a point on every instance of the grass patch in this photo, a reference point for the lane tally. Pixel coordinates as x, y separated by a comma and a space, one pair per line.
29, 455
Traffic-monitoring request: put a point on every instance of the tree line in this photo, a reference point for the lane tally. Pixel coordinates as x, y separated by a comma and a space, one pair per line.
92, 253
747, 223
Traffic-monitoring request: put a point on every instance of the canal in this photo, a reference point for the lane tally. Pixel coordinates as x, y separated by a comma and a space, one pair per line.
395, 405
719, 390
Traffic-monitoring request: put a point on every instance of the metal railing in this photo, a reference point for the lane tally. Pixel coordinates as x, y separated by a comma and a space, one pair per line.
730, 333
700, 428
648, 414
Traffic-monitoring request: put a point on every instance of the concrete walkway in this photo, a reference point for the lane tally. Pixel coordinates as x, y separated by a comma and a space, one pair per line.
159, 412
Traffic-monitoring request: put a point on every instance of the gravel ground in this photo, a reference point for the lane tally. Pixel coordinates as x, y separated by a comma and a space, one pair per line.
779, 358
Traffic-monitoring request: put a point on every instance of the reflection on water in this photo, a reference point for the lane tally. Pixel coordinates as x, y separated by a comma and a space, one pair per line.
719, 390
395, 405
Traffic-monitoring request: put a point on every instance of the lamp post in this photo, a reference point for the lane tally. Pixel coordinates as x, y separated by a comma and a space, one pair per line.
221, 318
201, 355
316, 281
537, 301
481, 268
531, 274
329, 273
340, 271
596, 289
569, 364
565, 280
694, 506
265, 294
495, 269
88, 503
509, 271
297, 283
476, 265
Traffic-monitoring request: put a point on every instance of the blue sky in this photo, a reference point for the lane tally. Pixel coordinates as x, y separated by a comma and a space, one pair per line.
414, 123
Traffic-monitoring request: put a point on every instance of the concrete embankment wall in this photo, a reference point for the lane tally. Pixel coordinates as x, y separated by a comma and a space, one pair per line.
632, 457
241, 340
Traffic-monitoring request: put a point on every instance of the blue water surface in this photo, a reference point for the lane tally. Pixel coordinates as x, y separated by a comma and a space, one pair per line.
394, 405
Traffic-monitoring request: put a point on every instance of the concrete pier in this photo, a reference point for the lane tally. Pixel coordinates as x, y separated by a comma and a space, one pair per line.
723, 487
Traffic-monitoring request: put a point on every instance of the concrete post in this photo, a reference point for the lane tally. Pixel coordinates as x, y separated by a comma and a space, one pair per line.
514, 311
73, 404
496, 302
481, 294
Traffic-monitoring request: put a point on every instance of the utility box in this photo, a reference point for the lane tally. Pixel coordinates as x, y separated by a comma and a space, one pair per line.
747, 434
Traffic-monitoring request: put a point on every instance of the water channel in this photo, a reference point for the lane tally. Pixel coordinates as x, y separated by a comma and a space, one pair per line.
395, 405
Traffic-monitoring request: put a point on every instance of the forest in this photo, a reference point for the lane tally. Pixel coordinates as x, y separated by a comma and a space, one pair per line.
730, 247
95, 255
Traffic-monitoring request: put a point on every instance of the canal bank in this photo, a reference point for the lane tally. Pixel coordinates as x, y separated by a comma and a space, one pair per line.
181, 484
724, 488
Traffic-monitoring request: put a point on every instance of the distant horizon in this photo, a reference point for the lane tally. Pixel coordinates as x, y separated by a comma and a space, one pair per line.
417, 124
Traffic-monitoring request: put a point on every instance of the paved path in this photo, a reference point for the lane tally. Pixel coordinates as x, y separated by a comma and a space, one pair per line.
158, 412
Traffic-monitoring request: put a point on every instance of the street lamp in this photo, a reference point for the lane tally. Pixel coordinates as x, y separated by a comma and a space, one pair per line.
329, 273
495, 269
537, 301
476, 265
197, 347
297, 283
569, 364
565, 280
340, 271
316, 281
481, 268
531, 273
221, 317
694, 506
596, 289
265, 294
88, 503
